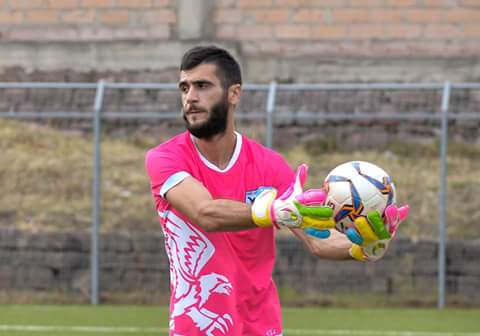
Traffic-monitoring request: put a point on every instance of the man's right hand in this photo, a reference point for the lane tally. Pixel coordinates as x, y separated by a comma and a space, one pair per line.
295, 208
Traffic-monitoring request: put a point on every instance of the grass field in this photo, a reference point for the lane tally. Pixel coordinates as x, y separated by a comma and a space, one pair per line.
23, 320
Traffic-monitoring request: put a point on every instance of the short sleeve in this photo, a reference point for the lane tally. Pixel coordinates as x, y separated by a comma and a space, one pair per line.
165, 169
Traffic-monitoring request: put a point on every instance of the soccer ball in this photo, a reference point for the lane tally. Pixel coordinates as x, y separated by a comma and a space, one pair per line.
354, 189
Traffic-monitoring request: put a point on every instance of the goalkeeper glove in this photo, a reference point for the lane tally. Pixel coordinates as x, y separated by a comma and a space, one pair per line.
372, 235
295, 208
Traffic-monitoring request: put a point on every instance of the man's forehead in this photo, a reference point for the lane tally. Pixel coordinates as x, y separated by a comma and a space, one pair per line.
206, 71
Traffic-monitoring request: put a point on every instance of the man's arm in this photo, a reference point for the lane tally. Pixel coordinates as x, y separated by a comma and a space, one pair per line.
335, 247
193, 200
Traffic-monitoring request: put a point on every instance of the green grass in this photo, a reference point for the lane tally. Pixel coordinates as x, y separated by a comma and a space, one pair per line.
152, 320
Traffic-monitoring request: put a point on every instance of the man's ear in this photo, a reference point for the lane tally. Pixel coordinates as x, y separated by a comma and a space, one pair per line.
234, 93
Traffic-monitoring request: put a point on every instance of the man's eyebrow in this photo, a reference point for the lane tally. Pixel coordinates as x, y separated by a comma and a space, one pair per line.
195, 82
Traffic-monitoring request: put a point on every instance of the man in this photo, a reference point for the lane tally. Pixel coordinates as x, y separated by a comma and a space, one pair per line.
216, 194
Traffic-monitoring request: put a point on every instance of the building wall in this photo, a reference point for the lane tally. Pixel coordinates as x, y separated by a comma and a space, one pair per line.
287, 40
59, 262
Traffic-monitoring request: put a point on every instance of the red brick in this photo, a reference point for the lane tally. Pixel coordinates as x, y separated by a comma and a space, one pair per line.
329, 32
385, 15
41, 16
27, 4
134, 3
160, 16
271, 15
351, 15
463, 15
424, 15
255, 32
309, 15
254, 3
472, 30
115, 17
366, 31
471, 3
97, 3
403, 31
79, 16
69, 4
402, 3
9, 17
228, 16
293, 32
442, 31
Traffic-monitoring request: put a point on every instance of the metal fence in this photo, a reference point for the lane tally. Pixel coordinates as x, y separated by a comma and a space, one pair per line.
272, 90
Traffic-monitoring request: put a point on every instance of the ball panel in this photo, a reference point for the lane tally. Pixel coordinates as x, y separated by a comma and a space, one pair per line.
356, 188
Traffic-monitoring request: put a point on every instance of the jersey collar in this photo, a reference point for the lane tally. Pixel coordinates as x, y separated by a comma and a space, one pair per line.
233, 159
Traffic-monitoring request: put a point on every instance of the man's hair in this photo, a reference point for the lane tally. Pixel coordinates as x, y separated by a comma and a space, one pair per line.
228, 70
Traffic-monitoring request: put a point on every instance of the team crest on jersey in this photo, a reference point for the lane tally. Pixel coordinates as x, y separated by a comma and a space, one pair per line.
252, 194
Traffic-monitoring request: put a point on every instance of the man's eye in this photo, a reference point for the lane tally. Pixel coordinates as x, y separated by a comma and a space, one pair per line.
202, 85
183, 88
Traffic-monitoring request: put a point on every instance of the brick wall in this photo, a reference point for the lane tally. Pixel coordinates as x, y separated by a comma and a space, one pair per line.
290, 40
86, 20
355, 27
59, 262
426, 23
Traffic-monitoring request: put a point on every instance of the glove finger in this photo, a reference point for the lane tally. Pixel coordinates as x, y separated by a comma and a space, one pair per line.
378, 225
365, 230
322, 234
354, 236
403, 212
316, 223
357, 253
296, 187
394, 216
319, 212
312, 197
300, 178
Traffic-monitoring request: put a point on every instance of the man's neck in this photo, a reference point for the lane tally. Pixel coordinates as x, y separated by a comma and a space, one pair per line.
219, 149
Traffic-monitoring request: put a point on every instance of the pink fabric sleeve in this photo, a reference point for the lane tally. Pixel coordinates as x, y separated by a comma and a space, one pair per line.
161, 166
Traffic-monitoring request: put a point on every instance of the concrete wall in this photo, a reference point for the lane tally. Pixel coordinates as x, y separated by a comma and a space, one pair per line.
287, 40
131, 263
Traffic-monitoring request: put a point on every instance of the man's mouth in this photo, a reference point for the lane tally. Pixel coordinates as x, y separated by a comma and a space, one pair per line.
195, 111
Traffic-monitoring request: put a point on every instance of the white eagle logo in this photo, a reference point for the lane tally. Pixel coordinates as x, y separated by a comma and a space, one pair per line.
189, 250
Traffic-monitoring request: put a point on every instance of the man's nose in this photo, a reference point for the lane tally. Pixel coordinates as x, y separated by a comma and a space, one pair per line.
191, 95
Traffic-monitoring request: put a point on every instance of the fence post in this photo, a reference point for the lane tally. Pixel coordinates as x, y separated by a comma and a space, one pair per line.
443, 193
272, 91
96, 192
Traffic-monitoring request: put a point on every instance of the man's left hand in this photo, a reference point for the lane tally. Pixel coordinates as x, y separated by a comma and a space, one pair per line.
372, 235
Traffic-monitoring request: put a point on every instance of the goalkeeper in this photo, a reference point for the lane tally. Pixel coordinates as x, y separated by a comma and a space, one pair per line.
220, 197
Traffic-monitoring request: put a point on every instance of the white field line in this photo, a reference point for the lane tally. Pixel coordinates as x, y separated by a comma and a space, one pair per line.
288, 332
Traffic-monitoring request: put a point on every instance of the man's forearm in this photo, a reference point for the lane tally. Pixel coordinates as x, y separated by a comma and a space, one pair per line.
336, 247
224, 215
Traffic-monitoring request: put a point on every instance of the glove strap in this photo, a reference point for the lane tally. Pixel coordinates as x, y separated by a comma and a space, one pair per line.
262, 208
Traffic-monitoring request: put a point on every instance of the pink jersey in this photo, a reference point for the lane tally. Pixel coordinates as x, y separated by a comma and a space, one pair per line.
221, 282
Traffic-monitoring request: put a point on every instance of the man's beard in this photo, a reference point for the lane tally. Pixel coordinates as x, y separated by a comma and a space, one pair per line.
215, 124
